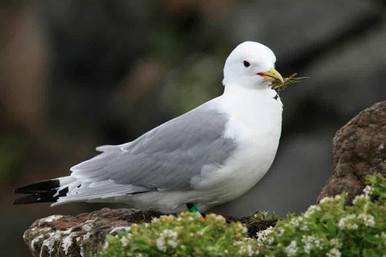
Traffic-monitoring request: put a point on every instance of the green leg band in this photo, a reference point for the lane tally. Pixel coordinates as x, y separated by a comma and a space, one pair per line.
194, 209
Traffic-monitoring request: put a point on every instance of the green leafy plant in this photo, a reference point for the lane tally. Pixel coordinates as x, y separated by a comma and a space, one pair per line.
332, 229
329, 229
182, 235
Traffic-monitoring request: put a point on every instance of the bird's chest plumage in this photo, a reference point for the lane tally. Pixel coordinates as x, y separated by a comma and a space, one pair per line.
254, 117
255, 126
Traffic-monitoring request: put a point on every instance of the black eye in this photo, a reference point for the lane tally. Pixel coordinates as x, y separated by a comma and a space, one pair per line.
246, 64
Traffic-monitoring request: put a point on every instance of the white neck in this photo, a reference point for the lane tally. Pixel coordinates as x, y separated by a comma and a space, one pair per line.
235, 88
253, 110
238, 98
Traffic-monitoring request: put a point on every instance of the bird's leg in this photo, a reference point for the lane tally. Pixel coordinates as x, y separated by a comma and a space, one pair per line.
192, 208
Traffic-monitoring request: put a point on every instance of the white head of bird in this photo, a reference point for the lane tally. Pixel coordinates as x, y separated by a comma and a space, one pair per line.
251, 65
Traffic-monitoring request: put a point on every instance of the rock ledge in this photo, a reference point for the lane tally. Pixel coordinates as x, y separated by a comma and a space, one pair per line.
79, 235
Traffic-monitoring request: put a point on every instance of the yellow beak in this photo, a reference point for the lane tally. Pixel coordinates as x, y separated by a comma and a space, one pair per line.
272, 76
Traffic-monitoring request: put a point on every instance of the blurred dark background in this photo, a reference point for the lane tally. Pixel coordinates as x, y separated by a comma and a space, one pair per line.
78, 74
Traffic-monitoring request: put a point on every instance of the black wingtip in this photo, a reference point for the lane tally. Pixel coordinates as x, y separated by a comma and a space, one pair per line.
46, 197
36, 198
38, 187
40, 192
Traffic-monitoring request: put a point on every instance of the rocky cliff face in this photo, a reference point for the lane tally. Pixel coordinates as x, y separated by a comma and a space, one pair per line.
359, 150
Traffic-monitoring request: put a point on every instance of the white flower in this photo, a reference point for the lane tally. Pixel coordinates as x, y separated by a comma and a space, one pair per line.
172, 243
291, 249
336, 242
304, 228
169, 233
307, 248
334, 253
368, 190
330, 199
368, 220
167, 237
348, 222
250, 250
220, 218
161, 244
311, 210
281, 232
326, 200
124, 241
318, 243
307, 245
383, 236
246, 250
294, 222
263, 235
360, 197
236, 243
311, 242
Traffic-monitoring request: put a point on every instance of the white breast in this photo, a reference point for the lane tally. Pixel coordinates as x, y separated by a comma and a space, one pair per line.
255, 125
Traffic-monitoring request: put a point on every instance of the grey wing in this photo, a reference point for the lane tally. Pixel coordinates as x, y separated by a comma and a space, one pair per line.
165, 158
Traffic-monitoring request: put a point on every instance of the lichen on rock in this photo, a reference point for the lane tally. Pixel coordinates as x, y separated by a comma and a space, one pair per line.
79, 235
